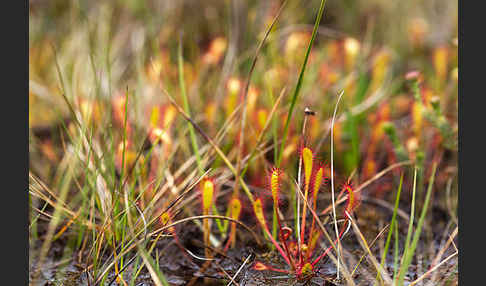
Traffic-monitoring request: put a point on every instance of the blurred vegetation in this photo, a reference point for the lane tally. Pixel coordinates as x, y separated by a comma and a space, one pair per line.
396, 62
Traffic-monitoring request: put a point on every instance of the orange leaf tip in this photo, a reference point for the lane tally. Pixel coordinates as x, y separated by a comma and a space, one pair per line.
260, 266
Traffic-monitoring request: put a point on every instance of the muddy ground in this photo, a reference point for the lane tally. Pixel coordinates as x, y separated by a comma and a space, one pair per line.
62, 266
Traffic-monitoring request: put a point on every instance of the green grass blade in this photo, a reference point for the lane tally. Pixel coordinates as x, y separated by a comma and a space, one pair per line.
412, 211
157, 276
410, 250
395, 253
192, 134
392, 227
270, 118
299, 82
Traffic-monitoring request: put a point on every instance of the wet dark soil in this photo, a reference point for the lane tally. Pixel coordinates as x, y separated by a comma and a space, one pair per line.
61, 266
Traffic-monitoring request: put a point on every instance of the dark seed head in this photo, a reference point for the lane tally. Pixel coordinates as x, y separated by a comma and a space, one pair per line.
308, 111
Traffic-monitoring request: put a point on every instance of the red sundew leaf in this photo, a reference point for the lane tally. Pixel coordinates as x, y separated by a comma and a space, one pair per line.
307, 163
272, 186
307, 158
353, 198
235, 205
275, 176
166, 219
318, 178
258, 209
260, 266
286, 232
207, 189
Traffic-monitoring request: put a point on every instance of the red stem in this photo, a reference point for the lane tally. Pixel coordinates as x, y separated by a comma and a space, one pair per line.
277, 270
330, 247
311, 230
277, 246
284, 241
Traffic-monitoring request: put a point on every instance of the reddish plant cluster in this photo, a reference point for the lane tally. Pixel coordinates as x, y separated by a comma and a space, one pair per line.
301, 255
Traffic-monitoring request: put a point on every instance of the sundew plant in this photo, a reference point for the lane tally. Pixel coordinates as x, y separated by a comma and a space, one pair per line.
239, 142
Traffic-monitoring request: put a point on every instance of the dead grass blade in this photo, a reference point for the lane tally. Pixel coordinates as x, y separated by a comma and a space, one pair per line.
157, 277
239, 270
433, 269
371, 245
300, 80
344, 269
216, 148
260, 136
368, 182
450, 241
332, 181
257, 239
384, 274
244, 102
